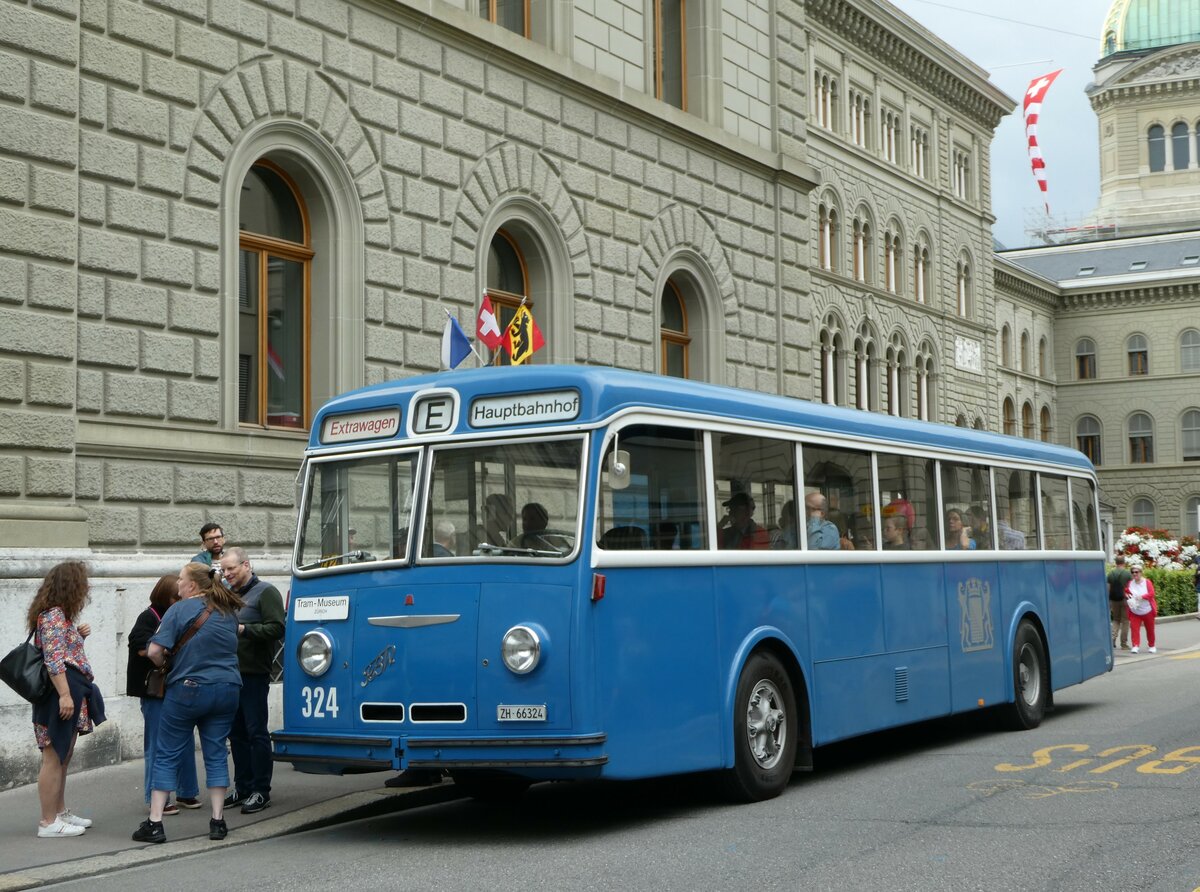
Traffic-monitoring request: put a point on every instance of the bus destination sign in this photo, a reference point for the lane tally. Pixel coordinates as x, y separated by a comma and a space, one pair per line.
378, 424
524, 408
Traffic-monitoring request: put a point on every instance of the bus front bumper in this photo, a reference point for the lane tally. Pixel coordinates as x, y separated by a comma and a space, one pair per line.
341, 753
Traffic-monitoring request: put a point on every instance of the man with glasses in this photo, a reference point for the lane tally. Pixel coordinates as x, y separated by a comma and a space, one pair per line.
260, 626
212, 537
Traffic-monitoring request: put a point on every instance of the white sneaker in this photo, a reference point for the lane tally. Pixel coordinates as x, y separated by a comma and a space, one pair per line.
1133, 649
1153, 650
74, 820
59, 828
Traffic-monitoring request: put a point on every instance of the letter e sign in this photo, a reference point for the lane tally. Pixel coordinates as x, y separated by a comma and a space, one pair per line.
434, 414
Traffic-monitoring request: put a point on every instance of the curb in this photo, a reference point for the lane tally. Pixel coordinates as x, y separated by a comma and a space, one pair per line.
351, 807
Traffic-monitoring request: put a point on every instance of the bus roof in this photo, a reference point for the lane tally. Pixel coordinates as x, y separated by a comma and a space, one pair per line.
605, 391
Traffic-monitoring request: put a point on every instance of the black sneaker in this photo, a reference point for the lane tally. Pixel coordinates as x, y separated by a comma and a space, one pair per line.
150, 831
217, 829
233, 797
255, 803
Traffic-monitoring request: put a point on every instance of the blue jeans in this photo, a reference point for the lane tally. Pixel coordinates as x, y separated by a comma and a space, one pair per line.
249, 740
188, 787
209, 708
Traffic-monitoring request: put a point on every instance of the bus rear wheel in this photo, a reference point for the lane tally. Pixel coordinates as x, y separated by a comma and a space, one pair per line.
1031, 679
764, 731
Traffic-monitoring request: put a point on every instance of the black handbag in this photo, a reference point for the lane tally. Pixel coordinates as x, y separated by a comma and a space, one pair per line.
24, 670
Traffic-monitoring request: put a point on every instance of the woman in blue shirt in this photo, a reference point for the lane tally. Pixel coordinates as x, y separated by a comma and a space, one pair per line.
958, 534
203, 688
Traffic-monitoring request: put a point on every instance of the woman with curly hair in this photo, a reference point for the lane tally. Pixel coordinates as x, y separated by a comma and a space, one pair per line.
203, 689
164, 594
75, 705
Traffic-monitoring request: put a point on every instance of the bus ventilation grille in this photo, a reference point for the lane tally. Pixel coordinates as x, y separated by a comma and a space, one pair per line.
382, 712
437, 712
901, 684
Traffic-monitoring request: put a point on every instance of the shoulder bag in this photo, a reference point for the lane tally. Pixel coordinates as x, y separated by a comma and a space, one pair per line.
156, 678
24, 670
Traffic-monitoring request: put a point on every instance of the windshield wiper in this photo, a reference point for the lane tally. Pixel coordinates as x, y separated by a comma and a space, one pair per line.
357, 554
485, 548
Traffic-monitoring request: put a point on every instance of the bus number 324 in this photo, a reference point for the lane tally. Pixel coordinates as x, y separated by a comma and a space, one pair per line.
319, 703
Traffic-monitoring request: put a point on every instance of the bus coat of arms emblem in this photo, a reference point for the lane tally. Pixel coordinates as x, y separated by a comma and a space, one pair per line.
975, 610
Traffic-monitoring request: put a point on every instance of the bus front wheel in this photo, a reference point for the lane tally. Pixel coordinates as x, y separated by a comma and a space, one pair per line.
764, 731
1031, 679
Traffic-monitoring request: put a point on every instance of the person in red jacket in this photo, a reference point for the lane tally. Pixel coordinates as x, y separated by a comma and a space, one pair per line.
1139, 600
738, 529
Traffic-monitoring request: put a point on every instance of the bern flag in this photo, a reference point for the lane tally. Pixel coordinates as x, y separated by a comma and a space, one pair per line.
523, 335
487, 328
455, 346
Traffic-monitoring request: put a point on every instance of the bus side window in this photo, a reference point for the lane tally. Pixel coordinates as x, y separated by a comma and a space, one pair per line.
842, 477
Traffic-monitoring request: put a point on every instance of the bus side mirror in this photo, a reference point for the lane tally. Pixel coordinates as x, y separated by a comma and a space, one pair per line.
618, 469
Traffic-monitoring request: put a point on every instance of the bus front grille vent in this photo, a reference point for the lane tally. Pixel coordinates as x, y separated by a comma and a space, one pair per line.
437, 712
901, 684
382, 712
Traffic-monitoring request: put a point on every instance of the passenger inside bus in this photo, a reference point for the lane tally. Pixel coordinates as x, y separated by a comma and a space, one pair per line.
738, 527
498, 520
822, 533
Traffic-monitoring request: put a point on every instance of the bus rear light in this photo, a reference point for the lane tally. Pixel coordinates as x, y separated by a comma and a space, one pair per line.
521, 649
598, 581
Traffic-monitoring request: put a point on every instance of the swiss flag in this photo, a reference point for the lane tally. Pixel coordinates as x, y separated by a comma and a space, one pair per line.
487, 328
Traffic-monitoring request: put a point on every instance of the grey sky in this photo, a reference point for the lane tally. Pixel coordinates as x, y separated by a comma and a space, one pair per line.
1017, 41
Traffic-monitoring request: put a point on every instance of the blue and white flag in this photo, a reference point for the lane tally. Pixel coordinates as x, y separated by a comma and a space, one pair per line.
455, 346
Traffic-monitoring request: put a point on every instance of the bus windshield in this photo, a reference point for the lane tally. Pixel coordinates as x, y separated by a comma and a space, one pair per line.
518, 499
357, 511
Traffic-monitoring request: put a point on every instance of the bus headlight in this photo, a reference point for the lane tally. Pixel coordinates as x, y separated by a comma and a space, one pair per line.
315, 653
521, 649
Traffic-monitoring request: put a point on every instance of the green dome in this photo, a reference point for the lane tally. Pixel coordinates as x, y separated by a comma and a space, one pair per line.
1149, 24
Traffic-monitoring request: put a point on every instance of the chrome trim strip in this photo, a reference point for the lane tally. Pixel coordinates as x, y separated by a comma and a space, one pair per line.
413, 622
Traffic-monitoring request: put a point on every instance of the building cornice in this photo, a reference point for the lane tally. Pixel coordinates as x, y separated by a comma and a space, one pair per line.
1027, 287
915, 53
1129, 298
1122, 94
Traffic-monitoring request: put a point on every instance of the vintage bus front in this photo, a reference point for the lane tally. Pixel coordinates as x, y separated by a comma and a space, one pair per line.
437, 594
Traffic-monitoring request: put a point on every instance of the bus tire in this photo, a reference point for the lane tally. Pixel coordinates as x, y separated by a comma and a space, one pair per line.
1031, 679
493, 787
765, 731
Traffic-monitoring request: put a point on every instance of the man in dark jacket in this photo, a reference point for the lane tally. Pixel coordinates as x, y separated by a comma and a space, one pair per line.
1118, 578
260, 626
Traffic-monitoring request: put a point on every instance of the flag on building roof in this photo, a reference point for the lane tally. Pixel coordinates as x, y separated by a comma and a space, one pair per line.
523, 336
487, 327
455, 346
1032, 107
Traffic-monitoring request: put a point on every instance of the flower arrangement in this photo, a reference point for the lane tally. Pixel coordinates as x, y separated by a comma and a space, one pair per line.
1158, 548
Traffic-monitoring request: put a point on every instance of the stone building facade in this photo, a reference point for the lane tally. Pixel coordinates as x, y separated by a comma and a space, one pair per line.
214, 214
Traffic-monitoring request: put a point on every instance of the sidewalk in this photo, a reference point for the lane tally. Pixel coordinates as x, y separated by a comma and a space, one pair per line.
1175, 635
112, 797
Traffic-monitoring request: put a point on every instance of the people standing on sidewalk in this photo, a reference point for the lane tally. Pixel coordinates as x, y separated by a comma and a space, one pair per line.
164, 594
1118, 578
1139, 597
203, 684
75, 705
260, 627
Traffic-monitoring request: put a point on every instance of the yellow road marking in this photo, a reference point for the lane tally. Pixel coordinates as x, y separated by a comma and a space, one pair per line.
1191, 656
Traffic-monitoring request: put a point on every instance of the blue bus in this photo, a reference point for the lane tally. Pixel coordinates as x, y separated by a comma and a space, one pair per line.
535, 573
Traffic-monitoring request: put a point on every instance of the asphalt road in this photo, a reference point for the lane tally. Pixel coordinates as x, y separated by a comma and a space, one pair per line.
1105, 795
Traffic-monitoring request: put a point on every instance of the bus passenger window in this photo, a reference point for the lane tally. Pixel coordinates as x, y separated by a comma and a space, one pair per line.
756, 479
1016, 510
967, 500
663, 507
906, 492
839, 499
1057, 522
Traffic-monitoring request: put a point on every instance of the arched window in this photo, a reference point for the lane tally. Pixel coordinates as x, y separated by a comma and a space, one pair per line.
1085, 359
862, 250
866, 362
825, 99
1138, 349
964, 287
827, 237
897, 378
674, 332
833, 360
1006, 347
893, 254
1047, 429
274, 271
1010, 417
510, 14
961, 421
1025, 351
1028, 431
925, 408
1190, 428
921, 272
1179, 146
1141, 514
1141, 439
979, 425
1087, 438
1042, 357
1191, 517
1189, 351
1156, 143
507, 282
